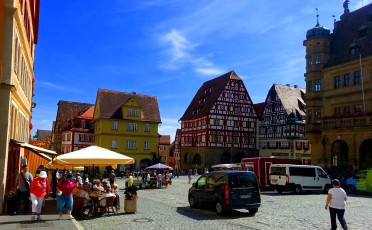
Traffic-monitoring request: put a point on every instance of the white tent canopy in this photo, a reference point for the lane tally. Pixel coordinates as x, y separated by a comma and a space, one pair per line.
93, 155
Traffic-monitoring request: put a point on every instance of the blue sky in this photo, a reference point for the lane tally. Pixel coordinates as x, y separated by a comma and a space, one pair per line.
169, 48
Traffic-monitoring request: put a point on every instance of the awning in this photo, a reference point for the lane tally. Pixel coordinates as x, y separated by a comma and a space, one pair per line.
33, 147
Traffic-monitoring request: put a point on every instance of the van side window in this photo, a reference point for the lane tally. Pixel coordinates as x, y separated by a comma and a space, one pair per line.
321, 173
298, 171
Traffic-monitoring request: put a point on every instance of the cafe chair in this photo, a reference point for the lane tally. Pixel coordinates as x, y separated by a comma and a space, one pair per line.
106, 204
79, 207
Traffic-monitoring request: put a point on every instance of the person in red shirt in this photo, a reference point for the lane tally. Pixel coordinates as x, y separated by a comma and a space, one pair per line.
39, 188
64, 192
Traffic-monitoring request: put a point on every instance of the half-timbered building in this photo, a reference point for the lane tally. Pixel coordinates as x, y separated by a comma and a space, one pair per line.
282, 125
219, 125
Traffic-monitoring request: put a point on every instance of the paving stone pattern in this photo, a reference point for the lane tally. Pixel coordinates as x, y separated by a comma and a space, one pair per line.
169, 209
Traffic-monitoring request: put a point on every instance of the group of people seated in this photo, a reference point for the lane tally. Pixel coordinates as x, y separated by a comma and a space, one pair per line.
95, 194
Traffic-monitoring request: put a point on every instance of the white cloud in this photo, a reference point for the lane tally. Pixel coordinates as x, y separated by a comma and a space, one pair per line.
181, 53
209, 71
59, 87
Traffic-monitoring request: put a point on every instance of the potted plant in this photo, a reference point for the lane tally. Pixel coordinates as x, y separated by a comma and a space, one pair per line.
11, 199
130, 199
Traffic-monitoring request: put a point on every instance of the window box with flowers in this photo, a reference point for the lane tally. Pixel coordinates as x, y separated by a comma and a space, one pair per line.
130, 199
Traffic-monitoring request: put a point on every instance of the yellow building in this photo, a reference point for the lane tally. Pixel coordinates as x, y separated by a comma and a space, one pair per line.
127, 123
18, 35
339, 92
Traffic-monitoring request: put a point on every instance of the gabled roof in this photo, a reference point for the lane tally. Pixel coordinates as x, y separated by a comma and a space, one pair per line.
69, 110
292, 98
347, 32
88, 114
208, 93
164, 140
44, 135
109, 103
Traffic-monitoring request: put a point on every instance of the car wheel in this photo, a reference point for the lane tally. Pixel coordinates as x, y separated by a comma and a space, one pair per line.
298, 189
220, 210
252, 211
351, 189
279, 191
192, 202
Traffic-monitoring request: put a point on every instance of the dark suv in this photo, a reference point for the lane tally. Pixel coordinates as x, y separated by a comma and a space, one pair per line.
226, 190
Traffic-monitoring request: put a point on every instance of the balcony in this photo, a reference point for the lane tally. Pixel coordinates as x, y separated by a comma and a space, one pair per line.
355, 120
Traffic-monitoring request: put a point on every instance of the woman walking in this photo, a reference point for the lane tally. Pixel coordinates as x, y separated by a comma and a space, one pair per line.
64, 192
39, 188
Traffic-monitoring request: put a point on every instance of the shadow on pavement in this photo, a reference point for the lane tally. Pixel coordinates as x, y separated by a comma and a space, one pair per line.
209, 214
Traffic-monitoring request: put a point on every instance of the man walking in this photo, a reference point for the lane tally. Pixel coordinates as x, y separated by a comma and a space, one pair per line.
189, 174
336, 202
23, 181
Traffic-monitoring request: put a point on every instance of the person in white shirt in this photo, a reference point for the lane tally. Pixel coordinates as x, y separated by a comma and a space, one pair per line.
336, 202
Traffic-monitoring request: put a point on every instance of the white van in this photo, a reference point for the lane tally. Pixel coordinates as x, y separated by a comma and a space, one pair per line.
298, 178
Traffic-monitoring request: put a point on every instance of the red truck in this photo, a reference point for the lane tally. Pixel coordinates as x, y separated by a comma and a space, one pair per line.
261, 165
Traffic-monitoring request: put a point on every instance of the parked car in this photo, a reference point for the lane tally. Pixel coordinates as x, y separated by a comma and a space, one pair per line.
226, 190
360, 182
298, 178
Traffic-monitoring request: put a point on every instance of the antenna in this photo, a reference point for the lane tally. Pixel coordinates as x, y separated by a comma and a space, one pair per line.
317, 17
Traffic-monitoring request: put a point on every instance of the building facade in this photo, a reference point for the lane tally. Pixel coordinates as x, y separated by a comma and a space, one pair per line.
219, 125
66, 113
339, 91
19, 21
164, 149
127, 123
282, 124
79, 132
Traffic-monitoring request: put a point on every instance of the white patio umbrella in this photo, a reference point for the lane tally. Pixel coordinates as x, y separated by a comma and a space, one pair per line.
93, 155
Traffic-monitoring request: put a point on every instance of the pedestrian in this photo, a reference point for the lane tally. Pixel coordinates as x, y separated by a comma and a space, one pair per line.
64, 192
336, 202
189, 174
130, 180
112, 177
39, 188
23, 181
160, 181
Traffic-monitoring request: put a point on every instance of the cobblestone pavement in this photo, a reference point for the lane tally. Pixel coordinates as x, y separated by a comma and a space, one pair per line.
169, 209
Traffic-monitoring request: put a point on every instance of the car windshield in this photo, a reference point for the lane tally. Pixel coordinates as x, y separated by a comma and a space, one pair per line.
242, 180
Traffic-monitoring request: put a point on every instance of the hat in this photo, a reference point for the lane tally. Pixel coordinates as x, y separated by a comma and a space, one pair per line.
43, 174
87, 180
68, 176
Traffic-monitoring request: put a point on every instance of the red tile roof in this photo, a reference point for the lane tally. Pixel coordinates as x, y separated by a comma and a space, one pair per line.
88, 114
109, 103
164, 140
69, 110
259, 108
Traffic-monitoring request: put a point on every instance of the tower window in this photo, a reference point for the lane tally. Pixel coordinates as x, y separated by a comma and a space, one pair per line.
317, 60
310, 86
318, 85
